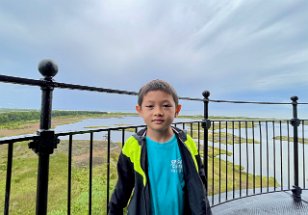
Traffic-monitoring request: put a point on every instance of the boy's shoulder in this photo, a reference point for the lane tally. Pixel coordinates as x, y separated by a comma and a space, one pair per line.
187, 140
133, 144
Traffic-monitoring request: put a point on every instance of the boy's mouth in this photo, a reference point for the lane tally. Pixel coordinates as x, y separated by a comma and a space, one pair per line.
158, 121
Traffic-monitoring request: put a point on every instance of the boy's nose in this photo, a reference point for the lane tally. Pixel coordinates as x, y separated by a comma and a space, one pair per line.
158, 111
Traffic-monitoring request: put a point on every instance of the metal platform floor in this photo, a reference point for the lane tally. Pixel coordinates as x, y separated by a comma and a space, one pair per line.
271, 203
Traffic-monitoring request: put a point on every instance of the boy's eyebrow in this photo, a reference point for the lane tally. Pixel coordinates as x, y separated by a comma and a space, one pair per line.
152, 101
166, 100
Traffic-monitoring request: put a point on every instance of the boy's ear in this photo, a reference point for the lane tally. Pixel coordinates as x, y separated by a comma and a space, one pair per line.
138, 108
177, 110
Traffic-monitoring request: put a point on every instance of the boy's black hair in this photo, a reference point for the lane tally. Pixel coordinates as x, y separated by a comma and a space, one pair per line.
157, 85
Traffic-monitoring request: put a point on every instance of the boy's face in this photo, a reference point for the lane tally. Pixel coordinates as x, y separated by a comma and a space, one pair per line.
158, 110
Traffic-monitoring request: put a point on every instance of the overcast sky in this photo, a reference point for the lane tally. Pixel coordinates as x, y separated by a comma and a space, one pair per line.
252, 50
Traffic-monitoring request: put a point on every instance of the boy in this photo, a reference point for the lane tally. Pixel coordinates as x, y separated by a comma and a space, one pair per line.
159, 166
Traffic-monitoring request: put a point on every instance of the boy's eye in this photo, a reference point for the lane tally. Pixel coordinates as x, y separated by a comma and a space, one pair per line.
164, 106
167, 106
149, 106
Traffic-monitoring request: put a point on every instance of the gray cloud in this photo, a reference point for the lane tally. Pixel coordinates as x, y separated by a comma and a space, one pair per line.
225, 46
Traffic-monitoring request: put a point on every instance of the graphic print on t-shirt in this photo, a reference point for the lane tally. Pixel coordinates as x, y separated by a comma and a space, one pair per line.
176, 166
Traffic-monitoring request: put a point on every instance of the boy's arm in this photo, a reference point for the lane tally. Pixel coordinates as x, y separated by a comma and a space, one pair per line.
124, 186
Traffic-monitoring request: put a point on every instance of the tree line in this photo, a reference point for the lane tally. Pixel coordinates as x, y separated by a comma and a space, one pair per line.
17, 116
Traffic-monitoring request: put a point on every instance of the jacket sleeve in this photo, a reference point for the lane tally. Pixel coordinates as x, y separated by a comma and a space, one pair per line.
201, 169
124, 186
203, 178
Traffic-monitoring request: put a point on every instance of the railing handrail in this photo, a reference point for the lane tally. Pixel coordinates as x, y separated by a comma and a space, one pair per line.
12, 139
41, 83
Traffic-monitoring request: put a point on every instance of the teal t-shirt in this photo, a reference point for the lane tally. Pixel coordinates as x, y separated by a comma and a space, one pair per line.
165, 173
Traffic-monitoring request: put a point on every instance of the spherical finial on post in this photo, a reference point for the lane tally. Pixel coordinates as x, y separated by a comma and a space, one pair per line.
294, 98
48, 69
206, 94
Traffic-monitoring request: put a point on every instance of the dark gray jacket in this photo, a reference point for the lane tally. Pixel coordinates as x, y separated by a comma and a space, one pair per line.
133, 178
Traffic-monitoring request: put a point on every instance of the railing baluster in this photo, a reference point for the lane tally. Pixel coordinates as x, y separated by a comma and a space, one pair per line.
281, 156
90, 172
108, 167
8, 178
226, 139
267, 158
219, 186
233, 160
304, 166
289, 171
198, 123
240, 155
69, 173
123, 137
274, 154
254, 157
261, 159
213, 163
247, 158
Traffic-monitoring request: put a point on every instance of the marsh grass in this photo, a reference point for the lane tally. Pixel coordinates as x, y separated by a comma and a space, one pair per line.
291, 139
221, 137
225, 177
24, 176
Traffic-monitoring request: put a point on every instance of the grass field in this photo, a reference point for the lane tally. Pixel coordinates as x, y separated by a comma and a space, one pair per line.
24, 176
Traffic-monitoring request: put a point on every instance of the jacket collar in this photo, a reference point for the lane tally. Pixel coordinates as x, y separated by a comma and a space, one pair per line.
140, 135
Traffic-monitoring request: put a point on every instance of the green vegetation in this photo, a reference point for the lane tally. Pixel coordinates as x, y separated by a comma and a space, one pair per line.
222, 137
235, 125
16, 119
227, 177
16, 122
291, 139
229, 125
200, 117
24, 176
231, 139
115, 125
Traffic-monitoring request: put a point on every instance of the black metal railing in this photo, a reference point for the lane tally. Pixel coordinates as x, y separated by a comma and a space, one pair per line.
241, 157
255, 157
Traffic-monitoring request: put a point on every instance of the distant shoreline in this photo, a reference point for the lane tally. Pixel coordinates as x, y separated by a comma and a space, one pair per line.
29, 125
15, 122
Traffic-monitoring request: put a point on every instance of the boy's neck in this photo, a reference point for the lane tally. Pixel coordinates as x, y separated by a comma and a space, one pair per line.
160, 136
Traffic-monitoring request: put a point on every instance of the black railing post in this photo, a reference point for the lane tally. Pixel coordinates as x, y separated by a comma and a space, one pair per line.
295, 123
206, 124
47, 141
